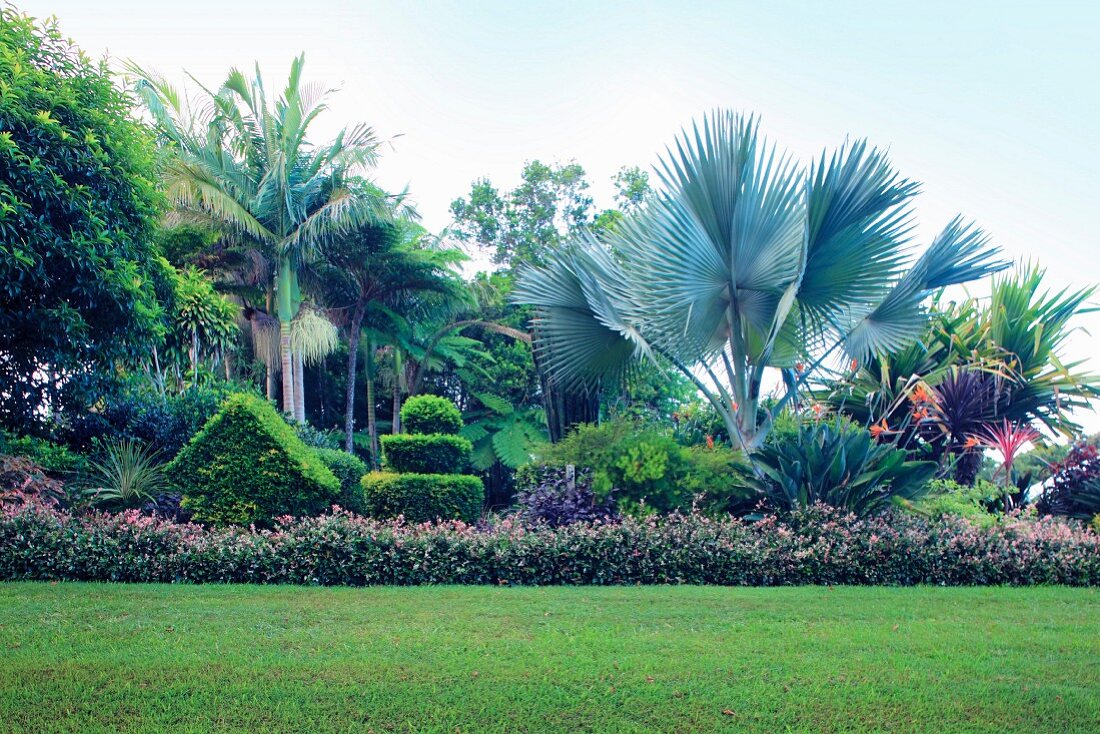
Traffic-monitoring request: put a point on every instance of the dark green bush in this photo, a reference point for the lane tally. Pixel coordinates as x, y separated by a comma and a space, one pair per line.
349, 469
435, 454
838, 464
427, 414
247, 465
423, 497
649, 469
138, 412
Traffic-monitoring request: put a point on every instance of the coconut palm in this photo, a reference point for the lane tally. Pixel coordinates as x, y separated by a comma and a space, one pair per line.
746, 262
245, 165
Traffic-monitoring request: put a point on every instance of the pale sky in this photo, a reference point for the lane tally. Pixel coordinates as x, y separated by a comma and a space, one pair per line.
992, 105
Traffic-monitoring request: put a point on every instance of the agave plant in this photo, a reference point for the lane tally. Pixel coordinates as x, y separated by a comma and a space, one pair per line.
746, 262
127, 475
838, 464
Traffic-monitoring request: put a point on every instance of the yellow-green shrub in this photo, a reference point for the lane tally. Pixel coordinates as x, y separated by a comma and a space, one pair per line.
434, 454
423, 497
246, 465
427, 414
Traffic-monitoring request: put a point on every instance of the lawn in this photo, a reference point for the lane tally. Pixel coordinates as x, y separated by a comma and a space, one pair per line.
151, 658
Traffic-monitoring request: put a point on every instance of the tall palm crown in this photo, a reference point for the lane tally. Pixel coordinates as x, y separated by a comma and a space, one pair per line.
746, 261
245, 165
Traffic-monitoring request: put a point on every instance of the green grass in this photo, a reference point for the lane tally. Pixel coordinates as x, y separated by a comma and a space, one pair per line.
97, 658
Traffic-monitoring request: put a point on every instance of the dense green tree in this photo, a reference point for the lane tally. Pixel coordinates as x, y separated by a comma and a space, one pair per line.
78, 205
522, 225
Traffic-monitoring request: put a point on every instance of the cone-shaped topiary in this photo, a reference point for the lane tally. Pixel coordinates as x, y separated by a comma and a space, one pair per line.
423, 482
247, 465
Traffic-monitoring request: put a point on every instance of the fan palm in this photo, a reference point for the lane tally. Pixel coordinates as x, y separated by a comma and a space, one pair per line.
245, 165
745, 261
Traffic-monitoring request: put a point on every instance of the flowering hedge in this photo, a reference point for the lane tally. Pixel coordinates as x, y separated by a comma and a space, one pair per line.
817, 546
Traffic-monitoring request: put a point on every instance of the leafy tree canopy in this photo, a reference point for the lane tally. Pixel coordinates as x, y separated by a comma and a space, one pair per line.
77, 209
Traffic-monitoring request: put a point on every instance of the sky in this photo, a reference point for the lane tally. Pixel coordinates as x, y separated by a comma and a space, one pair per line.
991, 105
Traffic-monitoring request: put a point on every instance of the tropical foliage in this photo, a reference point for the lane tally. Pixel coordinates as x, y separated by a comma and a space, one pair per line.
244, 164
78, 205
747, 262
126, 475
740, 335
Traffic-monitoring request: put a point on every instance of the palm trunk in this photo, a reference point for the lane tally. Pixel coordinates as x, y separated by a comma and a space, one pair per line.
372, 422
349, 402
288, 367
269, 369
396, 424
398, 379
286, 313
299, 388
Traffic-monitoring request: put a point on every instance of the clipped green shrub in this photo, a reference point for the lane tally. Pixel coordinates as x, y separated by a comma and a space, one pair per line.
246, 465
349, 469
428, 414
423, 497
650, 470
434, 454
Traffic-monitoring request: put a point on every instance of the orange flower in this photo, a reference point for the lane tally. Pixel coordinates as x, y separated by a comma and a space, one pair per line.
879, 428
855, 365
818, 410
920, 414
921, 395
972, 442
710, 441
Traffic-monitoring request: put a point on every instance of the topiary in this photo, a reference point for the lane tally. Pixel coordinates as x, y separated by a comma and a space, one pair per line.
436, 454
349, 469
247, 465
427, 486
423, 497
429, 414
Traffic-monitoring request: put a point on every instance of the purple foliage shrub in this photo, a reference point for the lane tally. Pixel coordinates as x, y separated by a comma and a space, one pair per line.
817, 545
550, 501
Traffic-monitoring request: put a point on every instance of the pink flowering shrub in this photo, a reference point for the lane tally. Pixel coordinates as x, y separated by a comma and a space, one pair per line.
814, 546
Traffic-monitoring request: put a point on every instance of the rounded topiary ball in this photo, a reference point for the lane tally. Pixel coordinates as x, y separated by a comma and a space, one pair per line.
427, 414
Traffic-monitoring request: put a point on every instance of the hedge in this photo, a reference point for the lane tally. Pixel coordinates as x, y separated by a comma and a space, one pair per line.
423, 497
816, 546
246, 465
428, 414
433, 454
349, 469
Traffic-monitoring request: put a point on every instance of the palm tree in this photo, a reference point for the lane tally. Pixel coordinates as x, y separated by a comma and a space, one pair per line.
246, 166
746, 262
381, 269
